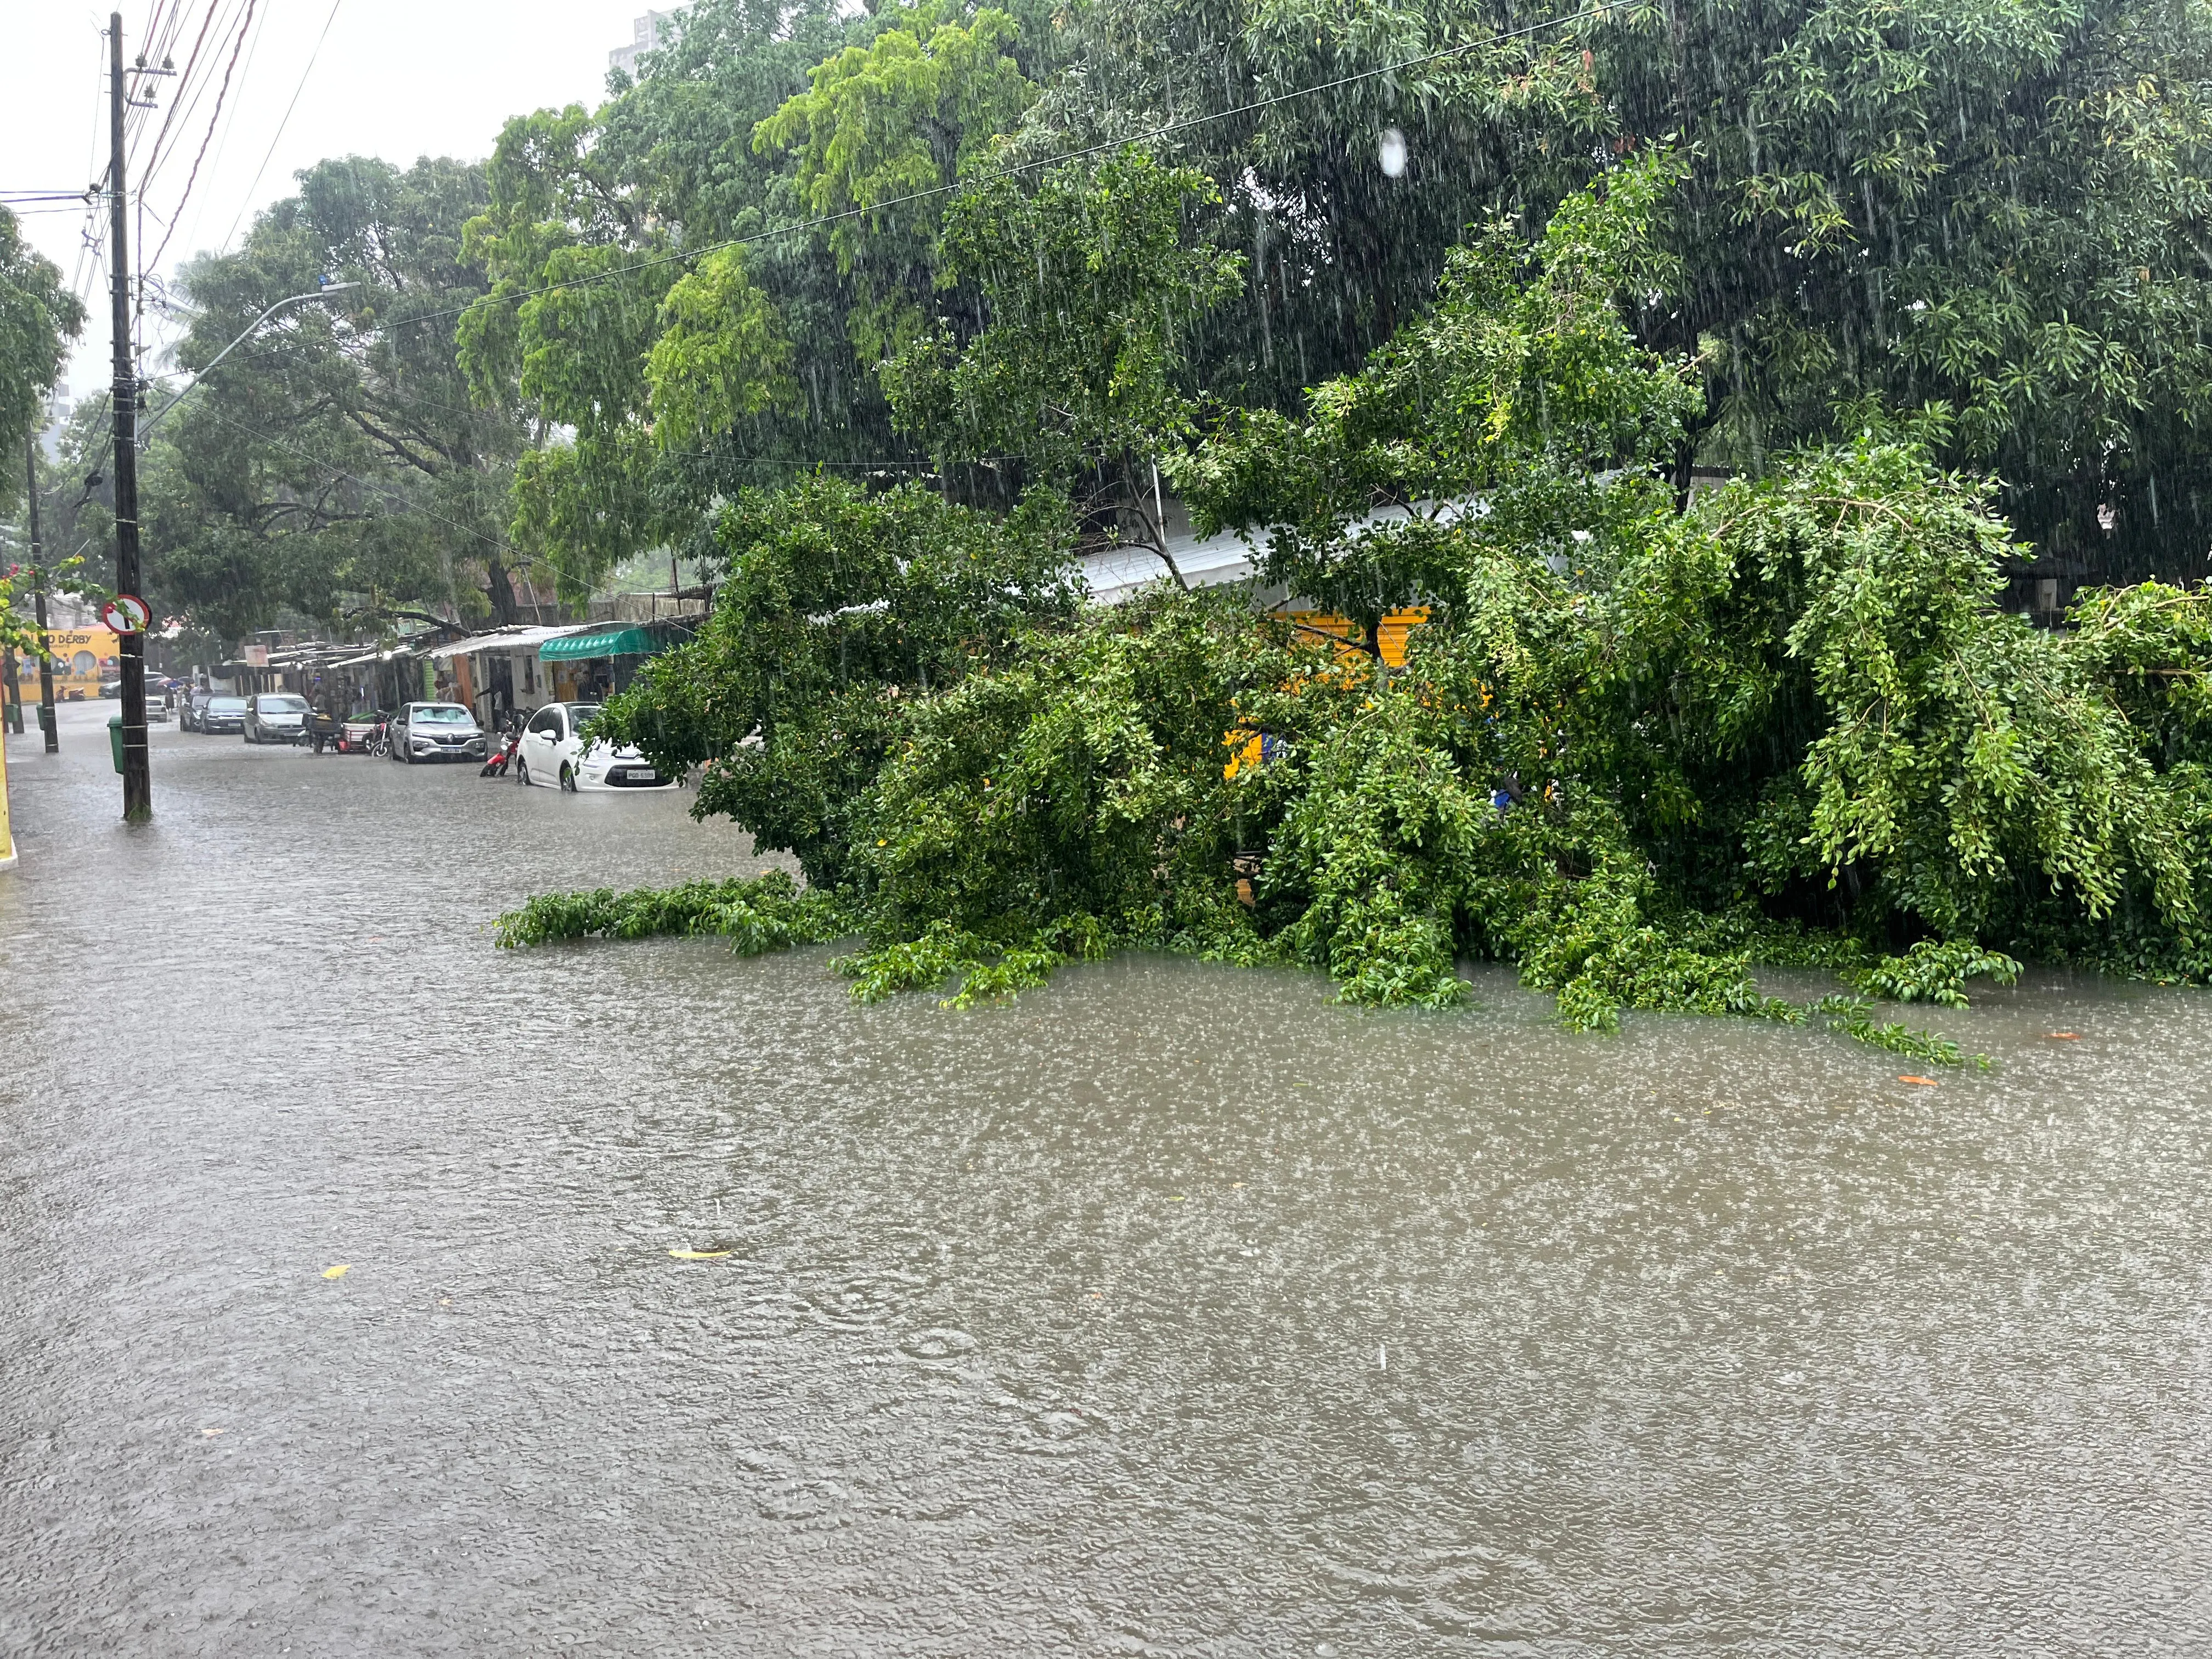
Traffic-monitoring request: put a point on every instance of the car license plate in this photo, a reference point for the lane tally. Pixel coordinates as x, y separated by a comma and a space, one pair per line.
641, 774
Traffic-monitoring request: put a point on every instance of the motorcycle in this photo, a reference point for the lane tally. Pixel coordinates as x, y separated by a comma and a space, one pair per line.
496, 765
324, 728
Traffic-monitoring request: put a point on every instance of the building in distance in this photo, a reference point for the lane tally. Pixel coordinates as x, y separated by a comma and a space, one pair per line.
650, 32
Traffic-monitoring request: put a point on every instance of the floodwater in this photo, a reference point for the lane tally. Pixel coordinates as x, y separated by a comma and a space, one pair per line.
1170, 1311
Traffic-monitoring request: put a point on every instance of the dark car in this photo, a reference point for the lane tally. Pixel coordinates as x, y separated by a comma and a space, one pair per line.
274, 717
435, 731
221, 714
157, 693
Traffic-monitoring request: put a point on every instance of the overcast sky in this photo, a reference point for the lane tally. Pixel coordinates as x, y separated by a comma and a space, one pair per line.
394, 78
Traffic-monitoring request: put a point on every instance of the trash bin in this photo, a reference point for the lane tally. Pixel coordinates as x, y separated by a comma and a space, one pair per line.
115, 743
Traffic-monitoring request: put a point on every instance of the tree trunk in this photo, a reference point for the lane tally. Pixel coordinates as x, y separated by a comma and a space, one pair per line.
501, 590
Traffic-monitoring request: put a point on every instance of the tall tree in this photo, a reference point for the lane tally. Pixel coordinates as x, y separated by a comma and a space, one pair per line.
39, 316
334, 464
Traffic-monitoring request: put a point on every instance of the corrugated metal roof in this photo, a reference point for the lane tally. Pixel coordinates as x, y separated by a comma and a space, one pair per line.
506, 639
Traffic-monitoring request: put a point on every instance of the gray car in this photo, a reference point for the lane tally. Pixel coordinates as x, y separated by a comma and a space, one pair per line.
436, 731
221, 714
274, 717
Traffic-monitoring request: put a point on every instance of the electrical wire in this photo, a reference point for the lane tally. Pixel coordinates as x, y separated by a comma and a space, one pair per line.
191, 84
208, 138
276, 353
261, 26
247, 204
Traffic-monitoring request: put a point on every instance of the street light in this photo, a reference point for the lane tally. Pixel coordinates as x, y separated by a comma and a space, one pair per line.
327, 288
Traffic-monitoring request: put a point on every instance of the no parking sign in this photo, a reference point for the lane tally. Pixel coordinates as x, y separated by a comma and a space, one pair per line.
127, 613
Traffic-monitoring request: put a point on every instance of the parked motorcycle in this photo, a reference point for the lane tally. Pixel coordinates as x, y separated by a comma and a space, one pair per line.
496, 765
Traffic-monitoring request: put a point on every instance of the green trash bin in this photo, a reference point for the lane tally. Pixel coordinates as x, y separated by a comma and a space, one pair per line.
115, 743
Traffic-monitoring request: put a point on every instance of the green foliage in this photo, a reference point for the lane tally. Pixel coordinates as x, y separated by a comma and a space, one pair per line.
1991, 213
903, 115
1854, 1017
332, 465
837, 608
1086, 283
1934, 972
762, 914
723, 357
1640, 748
39, 316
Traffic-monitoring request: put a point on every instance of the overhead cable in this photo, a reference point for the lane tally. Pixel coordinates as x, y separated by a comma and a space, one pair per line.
247, 204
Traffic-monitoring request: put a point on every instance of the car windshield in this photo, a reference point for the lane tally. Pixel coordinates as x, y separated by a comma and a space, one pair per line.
582, 714
442, 714
226, 705
283, 705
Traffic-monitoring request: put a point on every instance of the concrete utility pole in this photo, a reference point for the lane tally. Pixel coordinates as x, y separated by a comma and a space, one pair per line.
39, 596
137, 781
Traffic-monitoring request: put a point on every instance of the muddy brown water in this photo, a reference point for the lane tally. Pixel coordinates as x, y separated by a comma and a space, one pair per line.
1171, 1310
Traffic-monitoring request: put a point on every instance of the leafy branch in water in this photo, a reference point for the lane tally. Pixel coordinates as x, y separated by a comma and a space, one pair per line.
1854, 1017
766, 913
1934, 972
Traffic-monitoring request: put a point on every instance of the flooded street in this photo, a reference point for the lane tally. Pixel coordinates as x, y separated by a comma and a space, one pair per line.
1171, 1310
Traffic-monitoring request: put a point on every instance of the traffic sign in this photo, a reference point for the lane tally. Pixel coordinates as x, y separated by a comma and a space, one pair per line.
127, 613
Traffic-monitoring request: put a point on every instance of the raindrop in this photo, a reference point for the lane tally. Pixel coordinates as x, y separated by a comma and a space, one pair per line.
1391, 152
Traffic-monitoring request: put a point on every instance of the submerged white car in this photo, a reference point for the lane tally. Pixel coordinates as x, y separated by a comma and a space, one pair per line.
551, 754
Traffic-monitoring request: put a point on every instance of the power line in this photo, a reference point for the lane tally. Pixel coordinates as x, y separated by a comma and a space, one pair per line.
247, 204
177, 104
193, 85
206, 139
1019, 168
261, 26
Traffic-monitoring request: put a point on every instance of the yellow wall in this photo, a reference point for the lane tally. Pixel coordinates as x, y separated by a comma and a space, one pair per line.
1395, 626
71, 646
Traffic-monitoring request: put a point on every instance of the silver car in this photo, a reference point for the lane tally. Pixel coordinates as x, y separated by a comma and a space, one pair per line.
436, 731
274, 717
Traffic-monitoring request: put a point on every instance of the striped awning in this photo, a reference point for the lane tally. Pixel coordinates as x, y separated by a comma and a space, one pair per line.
616, 641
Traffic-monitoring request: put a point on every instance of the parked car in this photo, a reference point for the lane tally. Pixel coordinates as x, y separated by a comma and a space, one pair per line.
221, 714
274, 717
189, 706
157, 694
435, 731
552, 754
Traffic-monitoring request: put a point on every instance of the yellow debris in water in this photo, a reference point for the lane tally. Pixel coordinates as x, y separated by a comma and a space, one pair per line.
338, 1271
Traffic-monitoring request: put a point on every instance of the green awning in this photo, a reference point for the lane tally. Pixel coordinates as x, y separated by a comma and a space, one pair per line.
597, 642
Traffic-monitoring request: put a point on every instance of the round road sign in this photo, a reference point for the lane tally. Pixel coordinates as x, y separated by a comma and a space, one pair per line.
127, 613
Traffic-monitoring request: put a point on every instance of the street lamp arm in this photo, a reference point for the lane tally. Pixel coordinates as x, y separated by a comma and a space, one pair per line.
293, 299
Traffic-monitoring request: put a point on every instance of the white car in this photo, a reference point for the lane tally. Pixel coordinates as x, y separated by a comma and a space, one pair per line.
435, 731
551, 754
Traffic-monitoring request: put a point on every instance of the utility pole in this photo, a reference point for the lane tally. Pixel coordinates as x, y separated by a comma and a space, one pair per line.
137, 781
39, 596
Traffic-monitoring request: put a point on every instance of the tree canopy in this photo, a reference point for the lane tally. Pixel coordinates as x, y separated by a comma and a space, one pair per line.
39, 316
334, 465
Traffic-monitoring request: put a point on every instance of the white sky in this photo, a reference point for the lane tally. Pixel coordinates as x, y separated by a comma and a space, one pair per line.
394, 78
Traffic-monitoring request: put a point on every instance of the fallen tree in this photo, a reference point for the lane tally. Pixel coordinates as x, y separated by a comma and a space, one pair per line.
1640, 746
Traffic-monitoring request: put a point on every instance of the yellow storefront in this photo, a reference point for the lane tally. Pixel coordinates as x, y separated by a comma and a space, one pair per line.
83, 656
